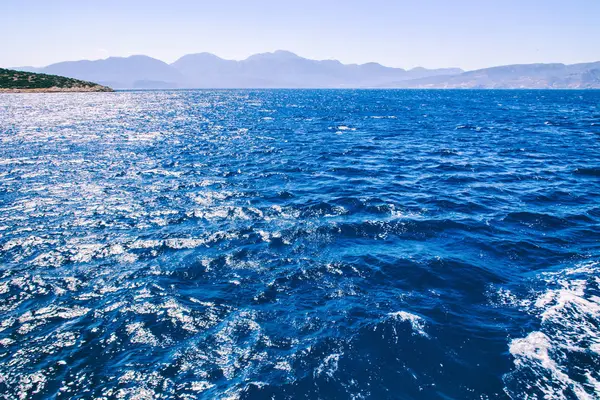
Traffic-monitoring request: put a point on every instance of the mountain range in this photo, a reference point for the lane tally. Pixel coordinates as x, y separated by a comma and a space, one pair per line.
283, 69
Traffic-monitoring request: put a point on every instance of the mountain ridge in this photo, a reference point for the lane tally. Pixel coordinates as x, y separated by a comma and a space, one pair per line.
516, 76
285, 69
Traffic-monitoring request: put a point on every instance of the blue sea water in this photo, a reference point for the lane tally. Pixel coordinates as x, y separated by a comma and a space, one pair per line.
284, 244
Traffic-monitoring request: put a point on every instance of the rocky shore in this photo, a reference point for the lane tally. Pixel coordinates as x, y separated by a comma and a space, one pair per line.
59, 90
13, 81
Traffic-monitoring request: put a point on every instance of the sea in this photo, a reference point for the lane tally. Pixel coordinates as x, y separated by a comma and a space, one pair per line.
300, 244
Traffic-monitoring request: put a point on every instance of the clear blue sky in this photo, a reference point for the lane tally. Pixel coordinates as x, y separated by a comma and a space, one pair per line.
401, 33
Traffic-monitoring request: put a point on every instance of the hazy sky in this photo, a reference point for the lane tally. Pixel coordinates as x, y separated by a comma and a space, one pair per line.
402, 33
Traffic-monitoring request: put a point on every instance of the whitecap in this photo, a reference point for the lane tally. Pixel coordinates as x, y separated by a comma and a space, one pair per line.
329, 365
569, 314
416, 322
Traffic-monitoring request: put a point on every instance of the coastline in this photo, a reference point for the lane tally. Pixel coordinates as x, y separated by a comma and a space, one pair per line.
97, 89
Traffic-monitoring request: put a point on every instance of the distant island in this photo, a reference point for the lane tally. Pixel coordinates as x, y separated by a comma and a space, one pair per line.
284, 69
12, 81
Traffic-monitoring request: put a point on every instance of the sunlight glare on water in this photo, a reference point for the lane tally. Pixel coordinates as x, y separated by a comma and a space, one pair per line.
300, 243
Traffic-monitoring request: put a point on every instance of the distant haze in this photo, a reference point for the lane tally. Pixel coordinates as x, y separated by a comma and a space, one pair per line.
469, 34
284, 69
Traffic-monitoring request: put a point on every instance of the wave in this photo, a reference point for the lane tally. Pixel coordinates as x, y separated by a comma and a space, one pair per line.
595, 172
568, 314
538, 220
176, 244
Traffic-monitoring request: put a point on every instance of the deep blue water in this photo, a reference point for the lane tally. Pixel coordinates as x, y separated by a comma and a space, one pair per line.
300, 244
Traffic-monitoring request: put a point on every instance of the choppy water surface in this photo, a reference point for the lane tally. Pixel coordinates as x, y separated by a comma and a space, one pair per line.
300, 244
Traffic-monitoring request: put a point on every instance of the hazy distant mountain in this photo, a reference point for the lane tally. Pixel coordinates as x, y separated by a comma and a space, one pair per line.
283, 69
533, 76
421, 72
286, 69
121, 72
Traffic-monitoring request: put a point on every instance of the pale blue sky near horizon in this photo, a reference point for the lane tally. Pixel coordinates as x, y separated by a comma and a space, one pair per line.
469, 34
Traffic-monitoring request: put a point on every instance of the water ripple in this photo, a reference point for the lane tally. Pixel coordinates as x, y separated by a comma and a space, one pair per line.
300, 243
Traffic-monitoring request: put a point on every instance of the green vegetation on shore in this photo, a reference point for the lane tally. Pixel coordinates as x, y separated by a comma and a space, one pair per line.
11, 80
